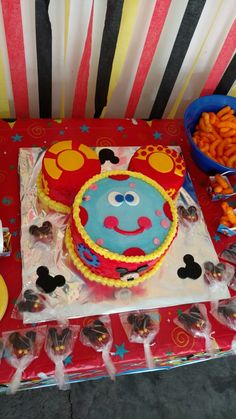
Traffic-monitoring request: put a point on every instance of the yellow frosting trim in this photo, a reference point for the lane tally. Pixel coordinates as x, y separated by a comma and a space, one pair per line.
116, 256
50, 203
102, 279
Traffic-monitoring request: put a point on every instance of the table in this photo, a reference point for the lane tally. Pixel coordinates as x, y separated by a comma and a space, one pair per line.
172, 346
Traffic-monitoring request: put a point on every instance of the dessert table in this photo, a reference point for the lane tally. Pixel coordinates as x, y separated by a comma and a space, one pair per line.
172, 346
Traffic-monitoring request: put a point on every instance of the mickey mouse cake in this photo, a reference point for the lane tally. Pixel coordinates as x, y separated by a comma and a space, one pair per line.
121, 226
66, 166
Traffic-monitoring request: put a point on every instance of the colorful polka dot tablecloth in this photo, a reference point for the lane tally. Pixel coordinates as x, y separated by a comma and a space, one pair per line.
172, 345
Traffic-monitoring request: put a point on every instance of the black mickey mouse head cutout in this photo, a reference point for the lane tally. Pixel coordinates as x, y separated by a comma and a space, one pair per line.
108, 155
46, 282
192, 269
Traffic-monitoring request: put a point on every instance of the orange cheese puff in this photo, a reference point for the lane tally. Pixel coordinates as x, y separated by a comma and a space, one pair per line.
208, 135
221, 181
205, 140
225, 207
225, 222
227, 115
206, 118
229, 133
231, 150
212, 149
204, 148
227, 124
222, 130
222, 145
218, 189
228, 191
220, 160
213, 117
225, 160
224, 110
216, 135
231, 216
203, 126
233, 140
209, 155
232, 161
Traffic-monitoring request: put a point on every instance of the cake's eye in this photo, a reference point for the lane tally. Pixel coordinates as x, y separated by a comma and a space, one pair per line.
115, 198
132, 198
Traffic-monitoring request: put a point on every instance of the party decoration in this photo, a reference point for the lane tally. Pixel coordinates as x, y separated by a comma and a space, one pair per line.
192, 269
142, 327
98, 334
43, 233
46, 282
225, 312
194, 321
23, 346
59, 345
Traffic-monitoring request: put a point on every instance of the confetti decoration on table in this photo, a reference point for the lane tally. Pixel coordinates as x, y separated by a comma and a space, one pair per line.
120, 128
120, 350
17, 138
216, 238
84, 128
7, 200
157, 135
68, 360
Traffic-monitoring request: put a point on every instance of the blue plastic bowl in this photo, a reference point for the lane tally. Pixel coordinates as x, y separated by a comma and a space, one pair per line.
192, 114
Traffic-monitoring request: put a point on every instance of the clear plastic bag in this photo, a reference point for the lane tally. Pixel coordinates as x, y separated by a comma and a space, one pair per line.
142, 327
43, 233
59, 345
188, 215
229, 254
98, 334
225, 312
29, 301
216, 274
22, 346
195, 321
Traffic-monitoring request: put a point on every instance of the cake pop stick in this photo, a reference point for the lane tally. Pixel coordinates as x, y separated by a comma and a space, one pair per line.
59, 344
23, 346
97, 334
142, 327
194, 321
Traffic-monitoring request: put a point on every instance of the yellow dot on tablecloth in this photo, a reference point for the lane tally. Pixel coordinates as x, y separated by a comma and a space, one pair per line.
70, 160
161, 162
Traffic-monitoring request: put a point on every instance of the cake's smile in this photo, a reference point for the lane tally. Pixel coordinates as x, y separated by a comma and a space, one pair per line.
113, 223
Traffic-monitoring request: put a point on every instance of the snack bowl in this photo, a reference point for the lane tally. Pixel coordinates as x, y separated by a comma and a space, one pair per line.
192, 114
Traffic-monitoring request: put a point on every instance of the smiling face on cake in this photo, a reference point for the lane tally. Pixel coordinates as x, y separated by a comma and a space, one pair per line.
125, 214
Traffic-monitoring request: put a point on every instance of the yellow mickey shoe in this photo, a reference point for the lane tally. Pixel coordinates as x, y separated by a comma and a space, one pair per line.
3, 297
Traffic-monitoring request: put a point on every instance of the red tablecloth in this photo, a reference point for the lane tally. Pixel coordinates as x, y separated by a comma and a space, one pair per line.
172, 345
